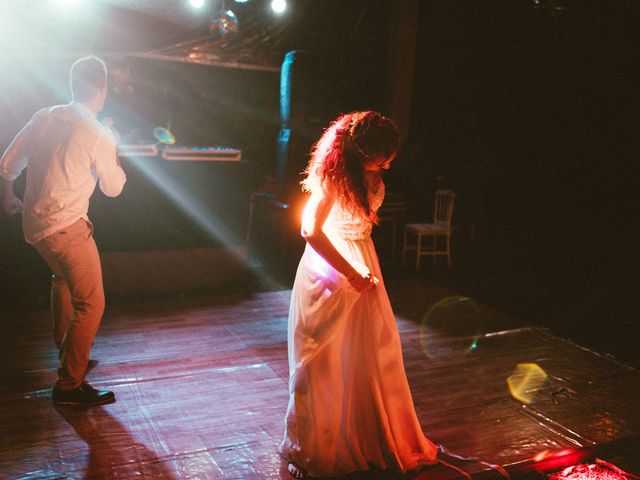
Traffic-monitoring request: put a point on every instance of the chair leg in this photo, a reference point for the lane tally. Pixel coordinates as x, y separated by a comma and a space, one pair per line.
393, 240
404, 246
434, 248
247, 237
418, 249
449, 250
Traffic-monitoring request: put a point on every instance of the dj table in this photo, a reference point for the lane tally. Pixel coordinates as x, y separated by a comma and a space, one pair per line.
175, 197
212, 154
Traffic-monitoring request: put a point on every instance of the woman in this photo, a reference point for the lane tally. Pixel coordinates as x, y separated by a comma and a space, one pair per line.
350, 407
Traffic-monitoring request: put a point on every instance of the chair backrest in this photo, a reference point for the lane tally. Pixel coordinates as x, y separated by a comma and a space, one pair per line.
444, 207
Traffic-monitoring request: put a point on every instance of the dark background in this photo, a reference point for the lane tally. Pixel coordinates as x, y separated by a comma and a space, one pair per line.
532, 115
529, 110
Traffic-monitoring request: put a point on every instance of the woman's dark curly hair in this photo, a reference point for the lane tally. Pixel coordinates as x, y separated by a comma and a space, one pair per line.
339, 158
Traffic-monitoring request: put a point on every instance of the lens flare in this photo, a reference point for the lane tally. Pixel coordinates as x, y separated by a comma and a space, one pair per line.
451, 328
164, 135
525, 382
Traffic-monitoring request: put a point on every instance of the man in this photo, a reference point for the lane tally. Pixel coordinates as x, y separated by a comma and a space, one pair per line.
67, 152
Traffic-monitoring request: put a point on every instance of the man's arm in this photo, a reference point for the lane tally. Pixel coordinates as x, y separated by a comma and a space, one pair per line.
12, 163
110, 175
10, 203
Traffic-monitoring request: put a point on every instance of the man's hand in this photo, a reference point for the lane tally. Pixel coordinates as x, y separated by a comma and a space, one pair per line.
12, 205
108, 122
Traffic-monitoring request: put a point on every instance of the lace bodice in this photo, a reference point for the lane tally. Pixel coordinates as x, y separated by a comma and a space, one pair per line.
348, 226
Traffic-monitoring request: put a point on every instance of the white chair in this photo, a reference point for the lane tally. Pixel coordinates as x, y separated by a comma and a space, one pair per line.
439, 229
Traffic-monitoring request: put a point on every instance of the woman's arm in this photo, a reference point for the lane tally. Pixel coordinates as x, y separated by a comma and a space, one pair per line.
315, 214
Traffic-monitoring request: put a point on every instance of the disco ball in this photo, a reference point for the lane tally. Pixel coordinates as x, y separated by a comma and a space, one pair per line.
223, 24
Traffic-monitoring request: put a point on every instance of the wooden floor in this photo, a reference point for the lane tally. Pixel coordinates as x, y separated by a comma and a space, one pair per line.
201, 385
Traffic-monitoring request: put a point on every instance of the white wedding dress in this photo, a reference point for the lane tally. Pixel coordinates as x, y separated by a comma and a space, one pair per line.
350, 406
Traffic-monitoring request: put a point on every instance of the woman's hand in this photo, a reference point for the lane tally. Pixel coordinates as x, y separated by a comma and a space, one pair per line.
361, 282
314, 216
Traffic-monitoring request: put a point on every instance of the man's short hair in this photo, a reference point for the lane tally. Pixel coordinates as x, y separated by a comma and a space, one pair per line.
87, 77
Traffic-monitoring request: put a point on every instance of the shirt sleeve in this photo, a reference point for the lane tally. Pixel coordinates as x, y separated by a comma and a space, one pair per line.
110, 175
14, 159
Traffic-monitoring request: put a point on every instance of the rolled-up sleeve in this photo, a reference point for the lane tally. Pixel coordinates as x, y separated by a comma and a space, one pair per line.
111, 176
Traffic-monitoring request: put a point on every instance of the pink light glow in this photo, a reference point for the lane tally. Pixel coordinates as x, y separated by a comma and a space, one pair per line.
546, 454
549, 460
321, 268
600, 470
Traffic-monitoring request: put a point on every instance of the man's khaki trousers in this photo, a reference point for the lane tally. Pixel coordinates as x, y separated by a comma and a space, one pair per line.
77, 297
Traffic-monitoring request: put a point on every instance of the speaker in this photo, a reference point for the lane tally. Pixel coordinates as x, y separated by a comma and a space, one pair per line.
314, 89
308, 86
293, 156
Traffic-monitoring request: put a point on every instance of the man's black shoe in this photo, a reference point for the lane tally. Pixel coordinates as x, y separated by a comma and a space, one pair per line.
85, 394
